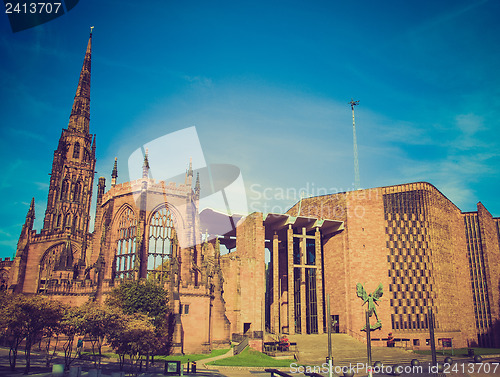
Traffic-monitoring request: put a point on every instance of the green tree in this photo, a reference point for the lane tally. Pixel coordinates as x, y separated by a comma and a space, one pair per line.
138, 338
9, 325
99, 322
150, 298
50, 336
143, 296
71, 325
28, 317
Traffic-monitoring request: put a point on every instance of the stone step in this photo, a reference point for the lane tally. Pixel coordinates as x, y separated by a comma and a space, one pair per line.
313, 349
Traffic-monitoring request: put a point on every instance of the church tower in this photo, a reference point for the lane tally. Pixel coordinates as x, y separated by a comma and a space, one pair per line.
55, 257
73, 167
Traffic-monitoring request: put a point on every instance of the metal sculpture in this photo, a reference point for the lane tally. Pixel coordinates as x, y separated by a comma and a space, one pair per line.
371, 299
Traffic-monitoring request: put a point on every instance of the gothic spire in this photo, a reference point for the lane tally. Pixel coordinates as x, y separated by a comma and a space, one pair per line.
26, 230
31, 212
80, 113
114, 173
190, 171
145, 166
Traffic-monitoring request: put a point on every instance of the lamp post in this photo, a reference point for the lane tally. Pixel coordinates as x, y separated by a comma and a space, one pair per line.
329, 323
368, 343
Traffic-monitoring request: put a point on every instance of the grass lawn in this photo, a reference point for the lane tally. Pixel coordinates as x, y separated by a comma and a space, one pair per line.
251, 358
182, 358
463, 351
194, 357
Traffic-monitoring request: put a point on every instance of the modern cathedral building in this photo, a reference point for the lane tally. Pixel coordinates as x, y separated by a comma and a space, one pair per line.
410, 238
424, 251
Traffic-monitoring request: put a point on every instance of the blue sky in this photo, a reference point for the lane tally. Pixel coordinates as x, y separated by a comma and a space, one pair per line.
266, 84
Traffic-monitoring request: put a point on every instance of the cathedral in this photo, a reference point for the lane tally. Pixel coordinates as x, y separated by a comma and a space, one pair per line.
409, 238
143, 229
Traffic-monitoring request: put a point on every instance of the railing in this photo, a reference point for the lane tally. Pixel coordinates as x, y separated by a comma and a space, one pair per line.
241, 346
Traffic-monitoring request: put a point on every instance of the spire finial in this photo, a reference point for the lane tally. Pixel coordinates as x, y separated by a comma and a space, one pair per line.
145, 165
114, 173
31, 211
189, 173
91, 29
80, 113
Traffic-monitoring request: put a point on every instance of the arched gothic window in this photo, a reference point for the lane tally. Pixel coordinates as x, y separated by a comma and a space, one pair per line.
76, 150
59, 257
4, 280
78, 192
59, 219
126, 244
162, 241
65, 189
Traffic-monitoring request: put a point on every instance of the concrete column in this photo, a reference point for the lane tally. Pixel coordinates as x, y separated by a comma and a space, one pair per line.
319, 281
303, 318
291, 299
276, 305
303, 261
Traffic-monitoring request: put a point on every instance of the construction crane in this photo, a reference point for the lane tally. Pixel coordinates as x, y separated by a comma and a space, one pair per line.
356, 163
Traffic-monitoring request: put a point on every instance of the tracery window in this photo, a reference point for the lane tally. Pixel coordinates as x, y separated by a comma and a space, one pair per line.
76, 150
162, 241
4, 280
78, 192
59, 257
47, 266
126, 244
65, 189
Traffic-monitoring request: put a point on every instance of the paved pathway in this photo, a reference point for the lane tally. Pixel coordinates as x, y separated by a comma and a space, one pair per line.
312, 348
346, 350
203, 362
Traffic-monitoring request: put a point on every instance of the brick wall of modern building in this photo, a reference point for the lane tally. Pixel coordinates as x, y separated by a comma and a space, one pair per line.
491, 253
449, 270
411, 239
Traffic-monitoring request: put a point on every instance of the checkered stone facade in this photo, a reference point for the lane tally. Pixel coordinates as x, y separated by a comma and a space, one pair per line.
411, 287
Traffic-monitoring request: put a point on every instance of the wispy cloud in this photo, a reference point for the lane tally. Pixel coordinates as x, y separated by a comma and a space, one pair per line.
42, 186
199, 80
464, 158
5, 234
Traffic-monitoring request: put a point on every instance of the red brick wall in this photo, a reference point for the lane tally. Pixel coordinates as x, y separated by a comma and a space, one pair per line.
450, 270
491, 251
360, 254
244, 277
367, 255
